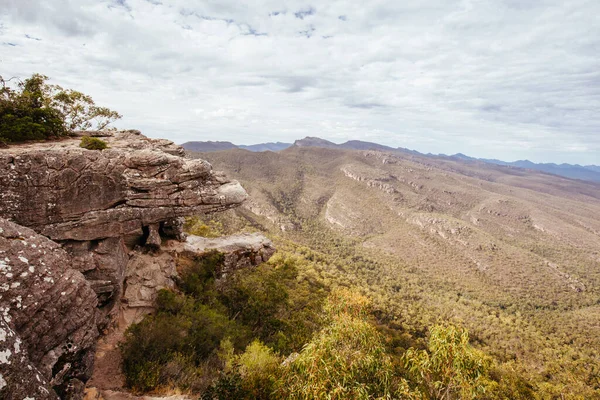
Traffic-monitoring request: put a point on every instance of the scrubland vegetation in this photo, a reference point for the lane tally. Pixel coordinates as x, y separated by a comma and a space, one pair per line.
279, 332
307, 325
431, 249
512, 257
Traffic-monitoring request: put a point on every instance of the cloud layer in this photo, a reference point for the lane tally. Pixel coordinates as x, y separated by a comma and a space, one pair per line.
506, 79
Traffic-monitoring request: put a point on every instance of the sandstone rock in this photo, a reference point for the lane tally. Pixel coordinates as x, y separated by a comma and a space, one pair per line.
103, 263
69, 193
240, 251
147, 273
173, 228
49, 305
19, 379
153, 241
100, 206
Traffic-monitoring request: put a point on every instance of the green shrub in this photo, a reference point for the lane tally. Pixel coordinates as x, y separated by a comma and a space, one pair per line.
250, 375
346, 360
35, 110
92, 143
196, 226
450, 367
182, 329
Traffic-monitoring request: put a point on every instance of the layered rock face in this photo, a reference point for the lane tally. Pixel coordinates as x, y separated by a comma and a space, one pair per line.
81, 241
68, 193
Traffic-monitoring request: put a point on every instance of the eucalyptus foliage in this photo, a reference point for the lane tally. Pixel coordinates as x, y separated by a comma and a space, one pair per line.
34, 110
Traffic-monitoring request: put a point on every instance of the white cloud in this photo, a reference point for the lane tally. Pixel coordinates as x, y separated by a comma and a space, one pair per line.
505, 79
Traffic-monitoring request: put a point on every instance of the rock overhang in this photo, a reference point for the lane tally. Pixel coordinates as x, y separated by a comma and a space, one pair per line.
69, 193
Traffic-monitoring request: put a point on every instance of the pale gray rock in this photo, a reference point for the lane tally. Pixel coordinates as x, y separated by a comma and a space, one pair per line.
240, 251
147, 273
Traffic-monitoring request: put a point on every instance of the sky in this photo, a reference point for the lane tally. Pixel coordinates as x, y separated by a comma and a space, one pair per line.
506, 79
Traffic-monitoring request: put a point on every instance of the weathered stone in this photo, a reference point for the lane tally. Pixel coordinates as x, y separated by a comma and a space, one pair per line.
19, 378
69, 193
240, 251
48, 304
147, 273
101, 206
153, 241
103, 263
173, 228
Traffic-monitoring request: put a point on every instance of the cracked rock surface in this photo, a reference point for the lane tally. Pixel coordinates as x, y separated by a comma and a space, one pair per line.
48, 312
68, 193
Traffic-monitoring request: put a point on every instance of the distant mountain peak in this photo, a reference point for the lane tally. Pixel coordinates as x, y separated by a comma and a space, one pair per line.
312, 141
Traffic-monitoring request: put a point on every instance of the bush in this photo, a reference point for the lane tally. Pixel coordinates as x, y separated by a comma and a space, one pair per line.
167, 342
346, 360
250, 375
92, 143
450, 367
35, 110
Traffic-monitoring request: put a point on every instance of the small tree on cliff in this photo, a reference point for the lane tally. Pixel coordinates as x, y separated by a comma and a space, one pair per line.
33, 110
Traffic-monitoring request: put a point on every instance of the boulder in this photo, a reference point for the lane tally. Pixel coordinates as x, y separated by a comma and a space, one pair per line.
240, 251
19, 378
50, 310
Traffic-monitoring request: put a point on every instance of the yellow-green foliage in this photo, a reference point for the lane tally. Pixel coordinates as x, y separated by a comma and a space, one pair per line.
258, 367
92, 143
346, 360
197, 226
450, 368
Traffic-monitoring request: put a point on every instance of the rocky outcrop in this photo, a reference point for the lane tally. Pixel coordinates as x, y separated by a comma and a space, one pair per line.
240, 251
68, 193
103, 263
19, 378
379, 181
101, 204
148, 272
92, 236
48, 312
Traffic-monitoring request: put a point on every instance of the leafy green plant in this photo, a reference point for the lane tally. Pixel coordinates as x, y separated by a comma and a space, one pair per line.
450, 368
92, 143
346, 360
35, 110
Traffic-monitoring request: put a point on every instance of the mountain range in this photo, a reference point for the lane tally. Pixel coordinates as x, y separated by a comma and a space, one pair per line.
573, 171
509, 253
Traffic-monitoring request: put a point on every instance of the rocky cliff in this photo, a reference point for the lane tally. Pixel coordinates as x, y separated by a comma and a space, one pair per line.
77, 227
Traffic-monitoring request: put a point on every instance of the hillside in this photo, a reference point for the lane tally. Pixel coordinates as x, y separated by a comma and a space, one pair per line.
512, 254
586, 173
219, 146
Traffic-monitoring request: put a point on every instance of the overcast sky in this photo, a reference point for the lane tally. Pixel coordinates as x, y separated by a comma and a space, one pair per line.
507, 79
